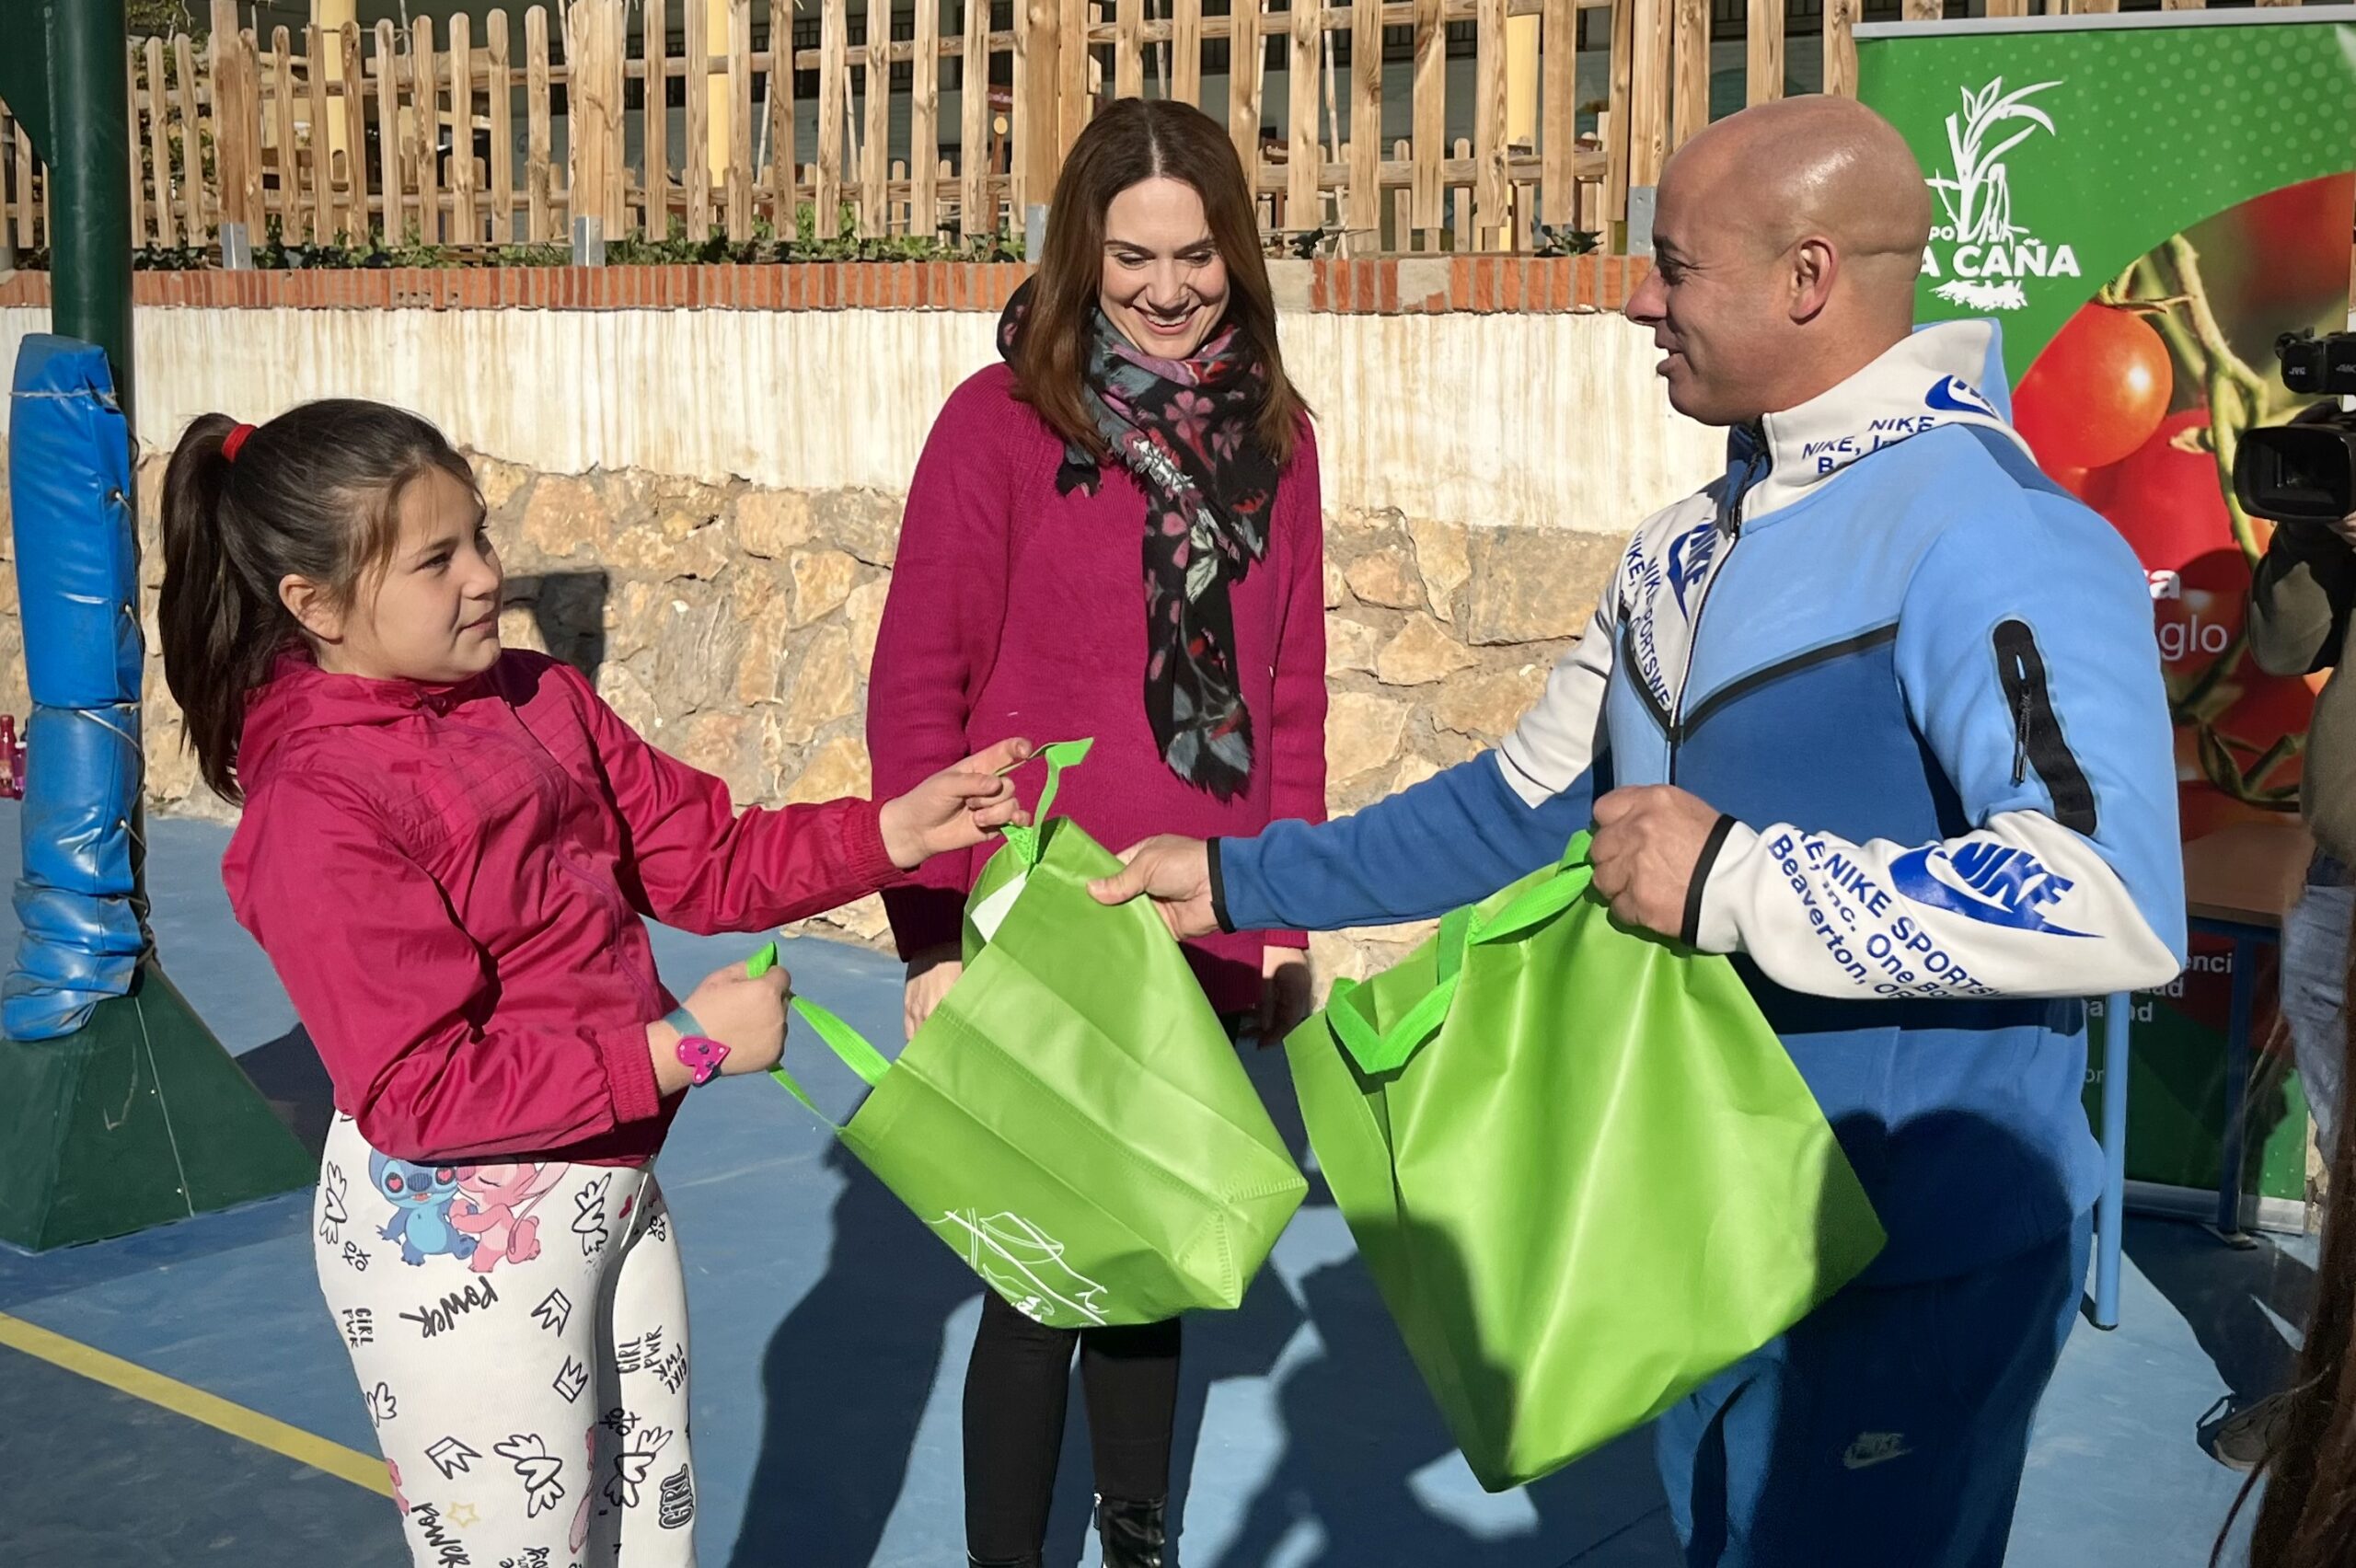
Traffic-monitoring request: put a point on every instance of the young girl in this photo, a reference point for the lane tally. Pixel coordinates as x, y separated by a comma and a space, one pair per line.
446, 852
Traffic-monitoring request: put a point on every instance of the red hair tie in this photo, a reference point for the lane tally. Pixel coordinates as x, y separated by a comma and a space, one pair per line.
232, 442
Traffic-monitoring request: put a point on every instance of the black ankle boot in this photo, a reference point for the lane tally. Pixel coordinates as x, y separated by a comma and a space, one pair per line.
1029, 1561
1132, 1533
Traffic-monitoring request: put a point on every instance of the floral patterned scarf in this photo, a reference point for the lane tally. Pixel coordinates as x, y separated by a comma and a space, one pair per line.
1185, 429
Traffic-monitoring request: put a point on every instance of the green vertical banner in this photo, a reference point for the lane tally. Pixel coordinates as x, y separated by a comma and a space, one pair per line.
2145, 202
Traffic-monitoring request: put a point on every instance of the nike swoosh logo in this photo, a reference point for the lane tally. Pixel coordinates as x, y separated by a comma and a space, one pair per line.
1854, 1460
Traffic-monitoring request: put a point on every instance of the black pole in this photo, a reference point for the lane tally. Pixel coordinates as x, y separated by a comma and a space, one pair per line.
89, 162
89, 256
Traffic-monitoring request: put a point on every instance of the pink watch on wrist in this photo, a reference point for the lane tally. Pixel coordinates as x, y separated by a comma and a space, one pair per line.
701, 1056
699, 1052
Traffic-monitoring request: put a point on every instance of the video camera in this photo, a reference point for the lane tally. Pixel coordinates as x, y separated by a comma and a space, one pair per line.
2304, 471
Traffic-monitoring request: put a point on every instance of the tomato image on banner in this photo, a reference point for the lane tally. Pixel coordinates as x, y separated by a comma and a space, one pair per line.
2097, 394
2135, 407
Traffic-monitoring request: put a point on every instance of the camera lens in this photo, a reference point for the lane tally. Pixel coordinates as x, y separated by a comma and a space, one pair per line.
2296, 473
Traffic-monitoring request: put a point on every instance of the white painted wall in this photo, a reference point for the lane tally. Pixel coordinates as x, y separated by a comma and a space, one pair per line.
1550, 421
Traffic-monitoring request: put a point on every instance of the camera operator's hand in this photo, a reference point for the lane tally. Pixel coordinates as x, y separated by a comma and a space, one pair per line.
2346, 529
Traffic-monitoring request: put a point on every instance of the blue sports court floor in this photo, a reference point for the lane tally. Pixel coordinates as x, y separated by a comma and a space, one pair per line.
830, 1334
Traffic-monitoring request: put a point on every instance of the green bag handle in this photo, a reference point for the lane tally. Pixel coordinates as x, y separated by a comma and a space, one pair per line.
845, 1043
1382, 1051
1030, 842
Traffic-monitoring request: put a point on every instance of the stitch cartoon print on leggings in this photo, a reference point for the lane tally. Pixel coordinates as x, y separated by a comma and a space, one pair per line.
421, 1199
520, 1334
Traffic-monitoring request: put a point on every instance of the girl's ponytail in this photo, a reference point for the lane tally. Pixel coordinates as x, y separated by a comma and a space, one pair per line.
219, 633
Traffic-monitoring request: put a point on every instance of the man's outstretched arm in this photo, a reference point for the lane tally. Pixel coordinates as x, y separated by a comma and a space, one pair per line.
1452, 839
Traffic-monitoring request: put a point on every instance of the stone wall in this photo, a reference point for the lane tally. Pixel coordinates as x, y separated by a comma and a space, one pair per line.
734, 626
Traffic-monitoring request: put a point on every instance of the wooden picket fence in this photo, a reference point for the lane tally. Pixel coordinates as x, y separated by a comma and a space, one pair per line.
410, 136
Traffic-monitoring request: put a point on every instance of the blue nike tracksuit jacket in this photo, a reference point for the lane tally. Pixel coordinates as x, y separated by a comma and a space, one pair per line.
1922, 683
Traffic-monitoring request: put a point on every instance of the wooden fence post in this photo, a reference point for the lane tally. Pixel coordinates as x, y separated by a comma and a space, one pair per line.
387, 68
1619, 146
1128, 49
833, 72
976, 211
315, 60
1072, 104
1186, 52
1648, 107
1765, 52
1304, 160
538, 174
655, 118
740, 119
355, 135
27, 206
1558, 111
159, 145
1246, 60
785, 172
281, 105
1689, 99
1365, 209
195, 202
502, 132
1489, 127
594, 111
425, 129
1038, 134
875, 162
1431, 119
228, 148
464, 222
1841, 47
236, 116
924, 124
696, 174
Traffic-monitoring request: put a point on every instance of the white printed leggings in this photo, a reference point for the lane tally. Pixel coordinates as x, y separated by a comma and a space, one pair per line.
520, 1332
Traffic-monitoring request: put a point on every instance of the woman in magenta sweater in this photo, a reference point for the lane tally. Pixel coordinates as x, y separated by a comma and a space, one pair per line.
1115, 533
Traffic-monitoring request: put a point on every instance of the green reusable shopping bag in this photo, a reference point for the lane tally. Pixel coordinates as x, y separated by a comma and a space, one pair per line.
1584, 1172
1072, 1118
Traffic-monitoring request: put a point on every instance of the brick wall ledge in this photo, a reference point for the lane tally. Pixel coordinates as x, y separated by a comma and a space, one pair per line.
1400, 286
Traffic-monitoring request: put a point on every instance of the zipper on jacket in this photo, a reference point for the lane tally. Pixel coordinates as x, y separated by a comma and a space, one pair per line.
1733, 521
2037, 740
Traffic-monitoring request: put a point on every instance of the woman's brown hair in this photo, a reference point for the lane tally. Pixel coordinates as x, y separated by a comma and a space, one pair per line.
1134, 140
2307, 1518
315, 493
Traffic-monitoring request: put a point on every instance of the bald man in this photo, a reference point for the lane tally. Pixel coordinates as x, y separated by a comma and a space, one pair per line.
1878, 713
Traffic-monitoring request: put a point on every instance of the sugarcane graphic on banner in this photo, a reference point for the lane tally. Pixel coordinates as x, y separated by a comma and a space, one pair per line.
1987, 254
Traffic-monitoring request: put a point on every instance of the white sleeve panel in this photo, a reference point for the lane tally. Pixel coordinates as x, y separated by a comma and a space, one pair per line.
2021, 907
1562, 733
